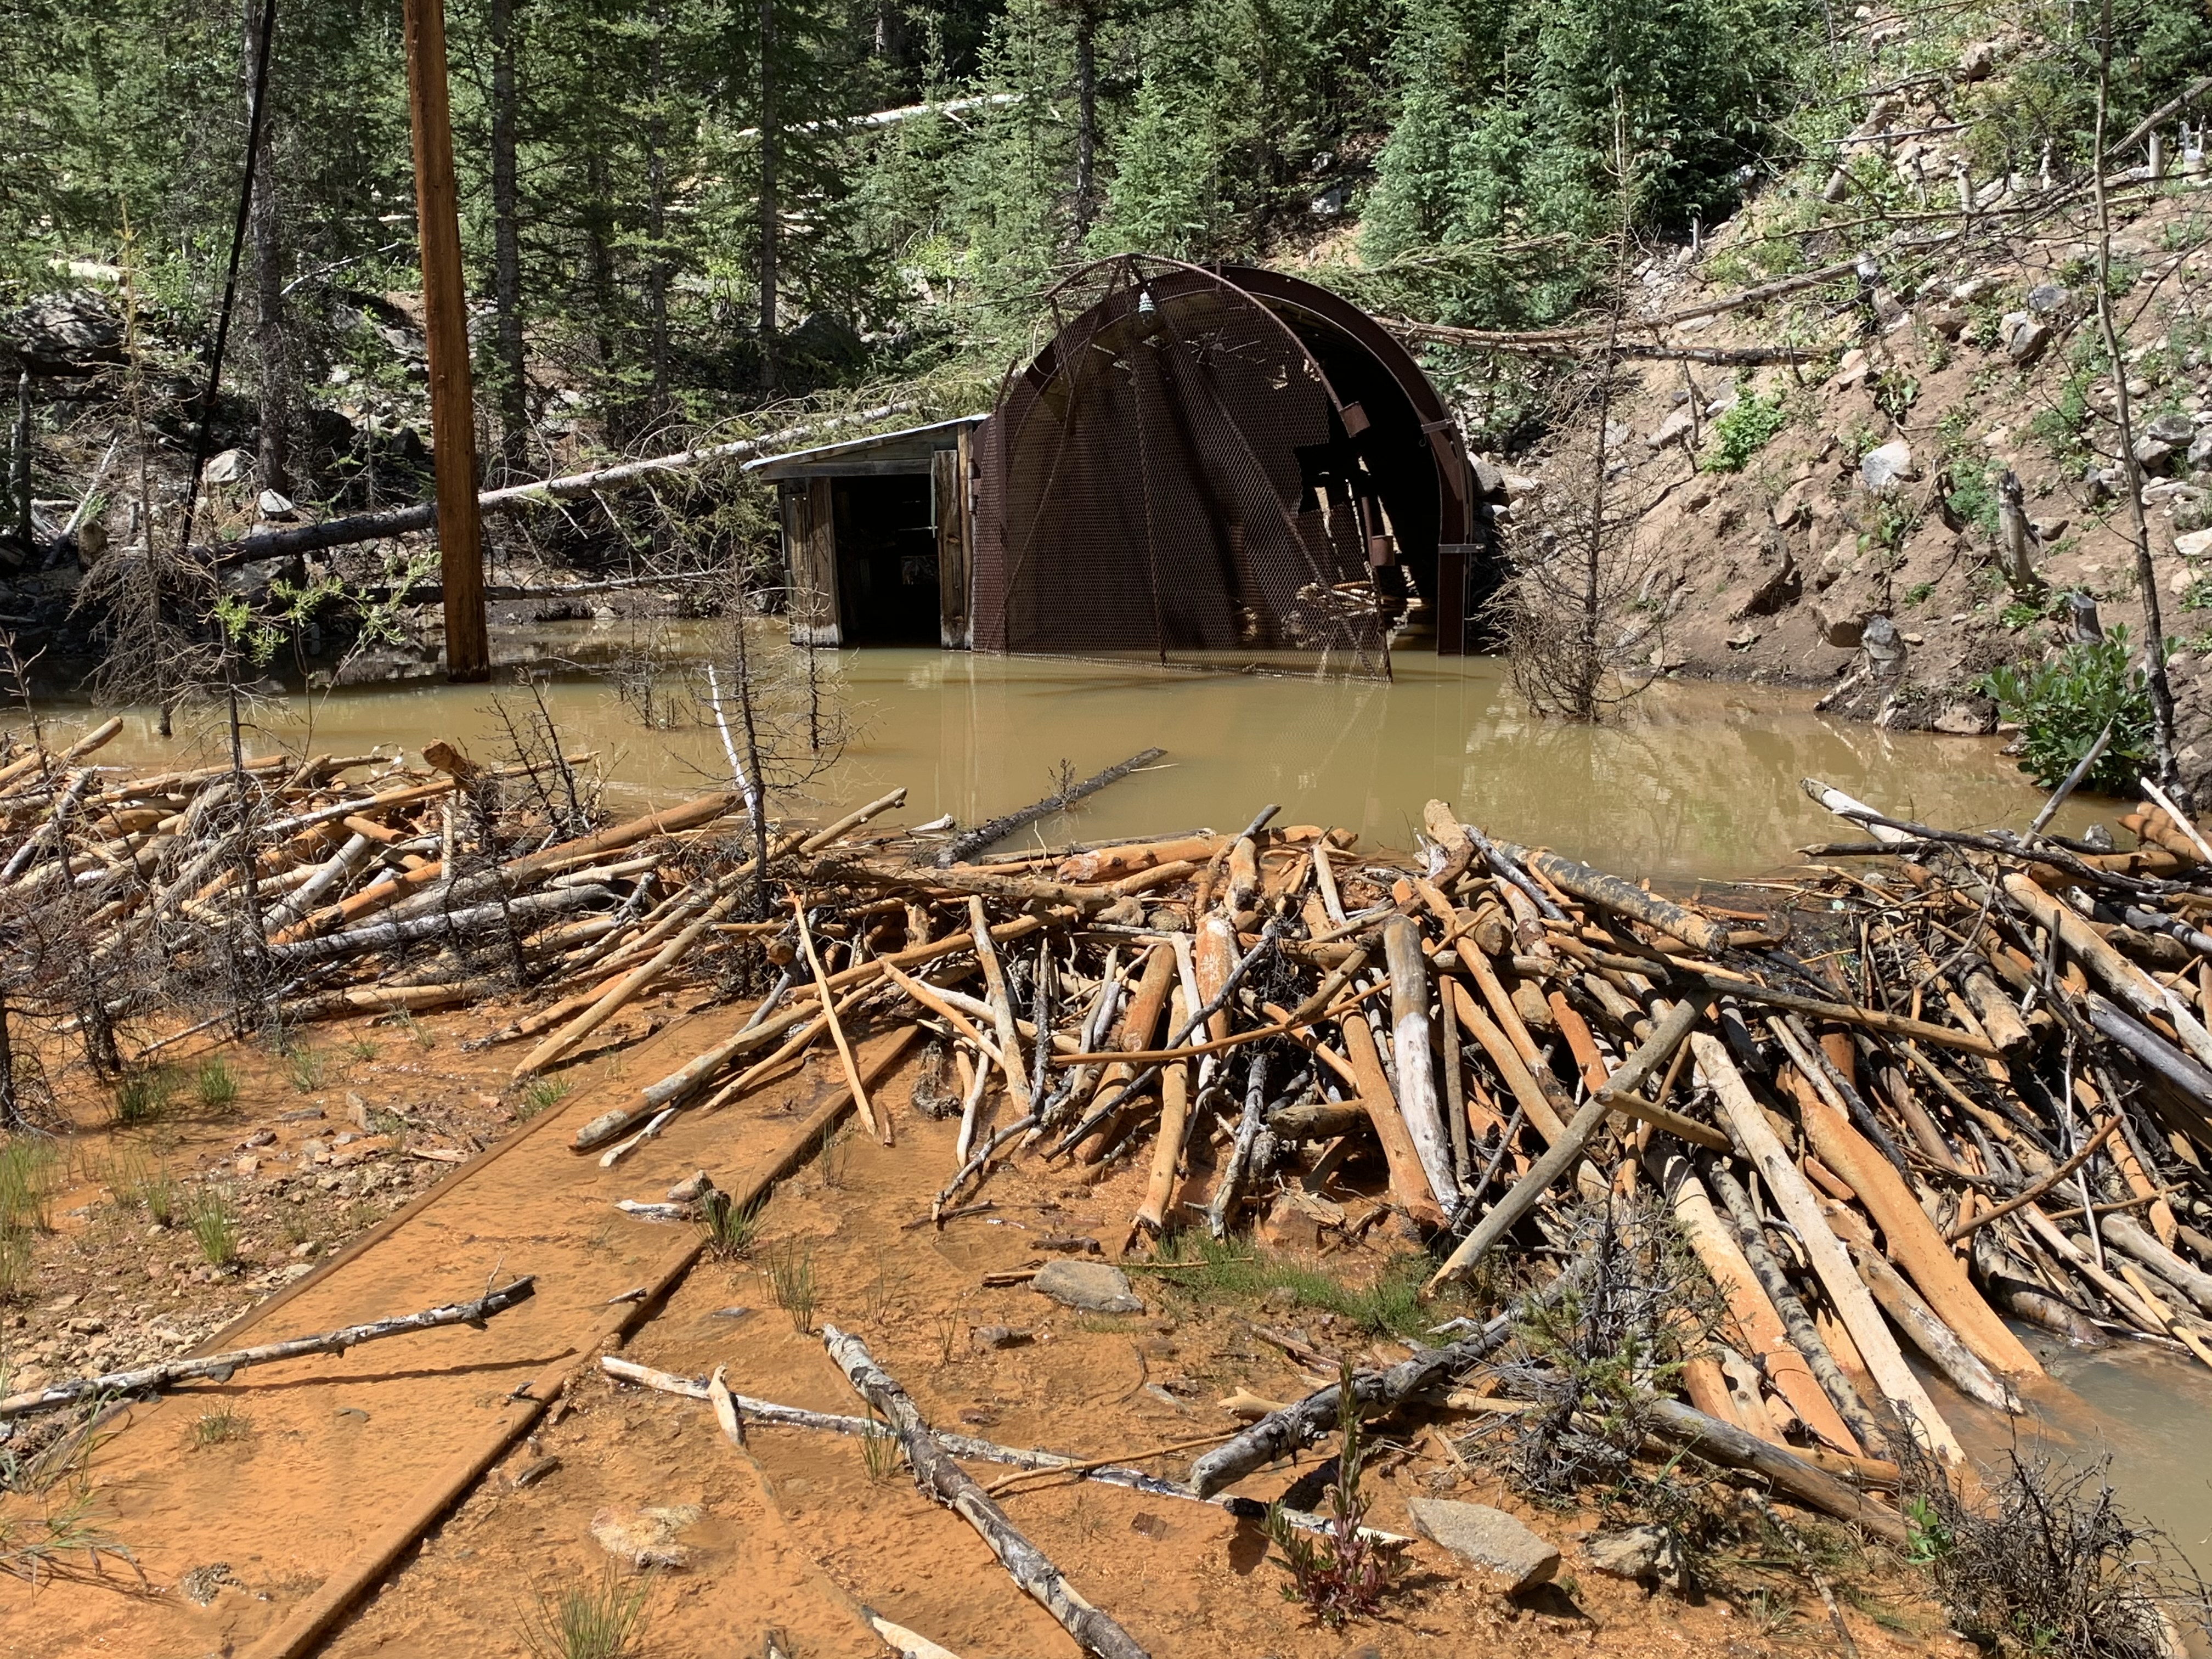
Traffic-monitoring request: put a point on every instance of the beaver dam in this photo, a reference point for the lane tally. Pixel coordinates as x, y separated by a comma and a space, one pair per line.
837, 1238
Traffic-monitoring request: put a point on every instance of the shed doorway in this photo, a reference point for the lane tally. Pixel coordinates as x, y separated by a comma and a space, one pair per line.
887, 590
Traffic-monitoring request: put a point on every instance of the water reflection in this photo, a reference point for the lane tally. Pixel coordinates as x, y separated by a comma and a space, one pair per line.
1691, 780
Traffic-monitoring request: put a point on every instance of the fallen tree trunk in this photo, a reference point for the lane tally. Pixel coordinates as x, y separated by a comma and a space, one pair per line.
1790, 1474
937, 1474
404, 521
219, 1366
966, 845
1296, 1425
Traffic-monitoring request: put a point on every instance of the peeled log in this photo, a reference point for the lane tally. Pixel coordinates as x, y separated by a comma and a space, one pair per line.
1409, 1038
1623, 898
1860, 1319
1409, 1179
1756, 1325
1911, 1239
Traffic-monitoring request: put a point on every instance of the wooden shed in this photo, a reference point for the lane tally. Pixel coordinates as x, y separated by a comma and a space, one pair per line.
877, 537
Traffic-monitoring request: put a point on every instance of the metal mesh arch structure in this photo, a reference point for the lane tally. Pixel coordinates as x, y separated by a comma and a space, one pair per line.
1170, 479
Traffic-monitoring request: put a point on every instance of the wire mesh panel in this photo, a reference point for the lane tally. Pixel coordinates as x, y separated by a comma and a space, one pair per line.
1171, 478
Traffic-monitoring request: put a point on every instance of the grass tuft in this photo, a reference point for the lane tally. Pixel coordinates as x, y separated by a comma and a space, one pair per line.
730, 1227
214, 1226
215, 1084
1231, 1270
305, 1068
790, 1269
539, 1093
220, 1425
604, 1618
142, 1097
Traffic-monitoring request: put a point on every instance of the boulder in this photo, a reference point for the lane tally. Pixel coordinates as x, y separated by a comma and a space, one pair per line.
231, 466
274, 504
1644, 1552
1841, 624
2045, 298
2196, 544
1969, 717
2172, 428
1675, 428
2200, 452
2153, 455
1092, 1287
2024, 336
1509, 1554
1886, 466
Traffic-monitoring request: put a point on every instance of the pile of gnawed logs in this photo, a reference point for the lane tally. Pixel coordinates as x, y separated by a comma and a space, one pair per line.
1888, 1103
337, 885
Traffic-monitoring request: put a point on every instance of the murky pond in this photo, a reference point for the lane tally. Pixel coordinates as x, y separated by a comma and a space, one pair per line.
1693, 779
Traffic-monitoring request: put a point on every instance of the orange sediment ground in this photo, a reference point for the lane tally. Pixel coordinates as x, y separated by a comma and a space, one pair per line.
235, 1537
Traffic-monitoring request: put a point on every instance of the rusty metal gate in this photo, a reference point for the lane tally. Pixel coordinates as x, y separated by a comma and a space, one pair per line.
1172, 479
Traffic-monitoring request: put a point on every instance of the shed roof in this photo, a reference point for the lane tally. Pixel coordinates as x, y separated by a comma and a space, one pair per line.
877, 455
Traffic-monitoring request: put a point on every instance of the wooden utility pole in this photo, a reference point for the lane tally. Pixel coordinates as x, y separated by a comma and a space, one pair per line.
446, 326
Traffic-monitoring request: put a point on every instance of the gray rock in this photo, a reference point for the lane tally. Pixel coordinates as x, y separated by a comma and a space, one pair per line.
1515, 1558
1000, 1336
693, 1187
1644, 1552
1093, 1286
2200, 452
2172, 428
1888, 465
275, 505
1885, 649
2153, 455
2044, 298
2024, 336
229, 467
1675, 428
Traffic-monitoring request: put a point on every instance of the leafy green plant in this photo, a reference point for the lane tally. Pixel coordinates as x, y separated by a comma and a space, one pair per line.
2062, 704
214, 1224
1342, 1572
1744, 428
602, 1619
1926, 1538
1231, 1269
1916, 595
215, 1084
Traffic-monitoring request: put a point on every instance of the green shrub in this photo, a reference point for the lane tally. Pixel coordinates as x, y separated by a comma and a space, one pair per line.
1743, 429
2062, 705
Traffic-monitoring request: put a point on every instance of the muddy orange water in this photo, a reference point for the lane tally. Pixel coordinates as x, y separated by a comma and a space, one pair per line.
1694, 779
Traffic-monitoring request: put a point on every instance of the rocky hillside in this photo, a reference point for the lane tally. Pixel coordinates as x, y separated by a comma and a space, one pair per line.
1837, 521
